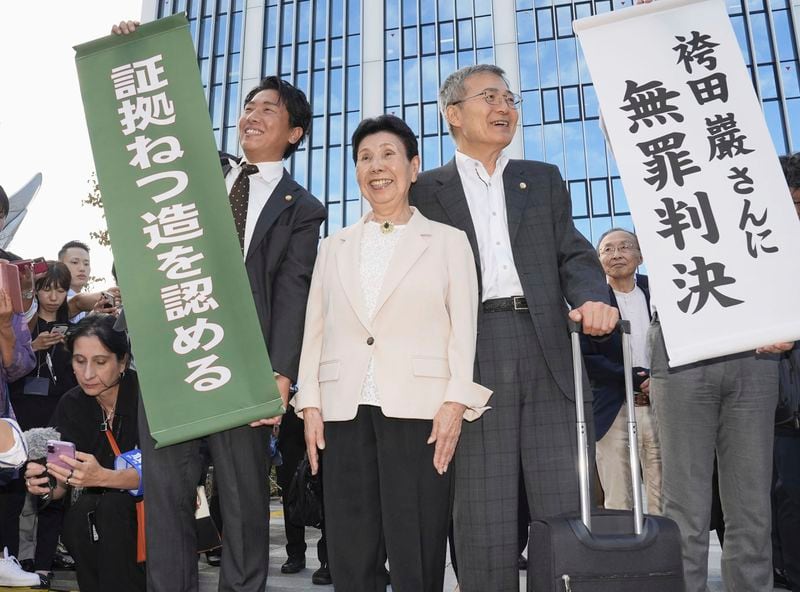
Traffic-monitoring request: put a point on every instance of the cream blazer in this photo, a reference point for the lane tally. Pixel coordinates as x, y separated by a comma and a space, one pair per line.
422, 336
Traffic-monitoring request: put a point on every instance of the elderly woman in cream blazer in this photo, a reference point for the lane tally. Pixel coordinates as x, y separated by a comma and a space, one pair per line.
386, 373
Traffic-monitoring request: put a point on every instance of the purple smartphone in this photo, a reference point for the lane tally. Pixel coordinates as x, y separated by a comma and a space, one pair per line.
57, 447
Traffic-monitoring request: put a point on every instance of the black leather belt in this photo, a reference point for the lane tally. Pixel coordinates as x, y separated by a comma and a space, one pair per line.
517, 303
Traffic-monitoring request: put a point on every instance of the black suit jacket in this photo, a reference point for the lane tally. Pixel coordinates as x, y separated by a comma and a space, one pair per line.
555, 263
279, 262
605, 367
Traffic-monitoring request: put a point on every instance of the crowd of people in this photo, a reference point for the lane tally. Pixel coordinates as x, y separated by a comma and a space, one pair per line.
427, 350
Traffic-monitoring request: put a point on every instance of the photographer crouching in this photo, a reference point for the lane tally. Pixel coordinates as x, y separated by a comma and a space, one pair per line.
99, 417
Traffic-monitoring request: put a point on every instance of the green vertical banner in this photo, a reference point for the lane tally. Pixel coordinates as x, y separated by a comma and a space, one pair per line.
199, 349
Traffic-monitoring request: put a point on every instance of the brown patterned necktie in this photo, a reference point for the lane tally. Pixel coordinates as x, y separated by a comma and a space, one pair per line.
239, 198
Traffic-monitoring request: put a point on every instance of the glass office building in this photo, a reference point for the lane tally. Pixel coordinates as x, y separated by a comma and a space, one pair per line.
358, 58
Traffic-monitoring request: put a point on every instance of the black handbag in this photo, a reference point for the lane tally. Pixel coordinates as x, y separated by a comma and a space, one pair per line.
304, 498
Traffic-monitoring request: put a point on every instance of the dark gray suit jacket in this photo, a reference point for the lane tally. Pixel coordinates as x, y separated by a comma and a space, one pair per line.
279, 263
555, 263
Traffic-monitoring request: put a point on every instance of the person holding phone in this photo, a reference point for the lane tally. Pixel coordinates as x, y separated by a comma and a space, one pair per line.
100, 528
34, 398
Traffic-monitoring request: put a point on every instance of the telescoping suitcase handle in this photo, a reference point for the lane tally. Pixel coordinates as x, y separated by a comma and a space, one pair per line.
624, 327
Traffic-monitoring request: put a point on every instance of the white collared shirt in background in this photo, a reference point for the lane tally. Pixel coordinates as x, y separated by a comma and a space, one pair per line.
633, 308
487, 204
262, 184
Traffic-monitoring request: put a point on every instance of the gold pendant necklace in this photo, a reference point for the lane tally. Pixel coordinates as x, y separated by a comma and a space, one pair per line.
387, 227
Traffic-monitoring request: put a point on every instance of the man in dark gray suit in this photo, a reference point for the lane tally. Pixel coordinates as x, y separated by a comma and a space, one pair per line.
531, 262
278, 222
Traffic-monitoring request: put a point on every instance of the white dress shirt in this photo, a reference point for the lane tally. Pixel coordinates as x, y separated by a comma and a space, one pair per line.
18, 453
262, 184
633, 308
487, 204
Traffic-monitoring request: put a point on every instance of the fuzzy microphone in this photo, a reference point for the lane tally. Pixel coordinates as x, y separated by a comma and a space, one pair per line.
36, 440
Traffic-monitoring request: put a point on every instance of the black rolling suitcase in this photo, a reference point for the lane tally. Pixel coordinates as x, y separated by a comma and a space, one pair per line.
608, 551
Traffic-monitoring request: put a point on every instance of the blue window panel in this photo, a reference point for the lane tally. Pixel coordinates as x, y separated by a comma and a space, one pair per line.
466, 58
528, 66
584, 226
231, 140
428, 39
391, 14
599, 226
334, 174
532, 142
583, 69
580, 203
463, 8
320, 19
485, 56
221, 34
626, 221
465, 34
204, 67
178, 6
287, 26
761, 38
410, 42
392, 81
335, 129
352, 190
548, 66
544, 23
192, 7
446, 36
215, 101
335, 91
602, 6
409, 12
430, 80
448, 149
774, 117
205, 38
573, 141
483, 32
595, 149
300, 165
753, 5
353, 50
620, 201
430, 119
337, 18
337, 46
318, 92
552, 109
567, 61
233, 67
411, 80
303, 21
784, 35
427, 12
271, 26
302, 64
612, 163
301, 82
270, 61
447, 65
734, 6
600, 201
352, 211
334, 222
317, 132
525, 29
531, 108
430, 153
218, 70
411, 117
286, 58
571, 102
793, 109
554, 146
320, 57
483, 7
218, 138
591, 108
445, 10
353, 16
766, 82
193, 31
583, 10
392, 46
317, 169
353, 88
524, 4
236, 32
791, 88
353, 119
208, 8
564, 20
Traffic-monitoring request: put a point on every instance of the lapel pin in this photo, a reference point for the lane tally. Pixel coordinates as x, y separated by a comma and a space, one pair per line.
288, 198
523, 185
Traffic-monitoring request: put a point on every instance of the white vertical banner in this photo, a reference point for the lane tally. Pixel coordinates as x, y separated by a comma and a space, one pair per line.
717, 227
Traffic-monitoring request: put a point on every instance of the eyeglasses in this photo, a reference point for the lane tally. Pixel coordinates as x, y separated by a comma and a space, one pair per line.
494, 98
623, 248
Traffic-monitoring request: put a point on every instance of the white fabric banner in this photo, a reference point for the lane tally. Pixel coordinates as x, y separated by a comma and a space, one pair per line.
715, 221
